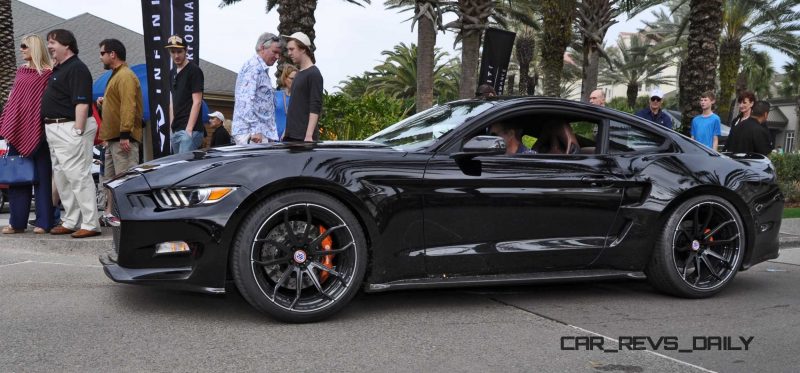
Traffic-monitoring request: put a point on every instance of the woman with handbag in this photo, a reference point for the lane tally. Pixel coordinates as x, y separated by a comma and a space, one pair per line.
21, 126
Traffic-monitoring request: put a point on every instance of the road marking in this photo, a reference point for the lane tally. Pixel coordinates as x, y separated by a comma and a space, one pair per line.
67, 264
52, 263
13, 264
600, 335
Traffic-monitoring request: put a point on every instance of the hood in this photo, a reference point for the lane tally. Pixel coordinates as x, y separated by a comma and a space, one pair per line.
173, 169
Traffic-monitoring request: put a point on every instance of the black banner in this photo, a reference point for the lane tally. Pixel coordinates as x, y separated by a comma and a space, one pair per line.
497, 46
161, 19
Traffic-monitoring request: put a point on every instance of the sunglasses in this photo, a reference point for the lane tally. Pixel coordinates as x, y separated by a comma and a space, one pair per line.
655, 99
23, 46
103, 53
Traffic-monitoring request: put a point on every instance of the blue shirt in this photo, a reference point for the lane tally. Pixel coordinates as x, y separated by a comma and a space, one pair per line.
705, 128
662, 118
281, 105
254, 108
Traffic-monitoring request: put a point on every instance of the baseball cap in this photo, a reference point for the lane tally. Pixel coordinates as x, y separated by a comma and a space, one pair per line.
301, 37
175, 41
656, 93
217, 115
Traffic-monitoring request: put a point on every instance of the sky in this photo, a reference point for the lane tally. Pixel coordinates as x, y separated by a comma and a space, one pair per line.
349, 41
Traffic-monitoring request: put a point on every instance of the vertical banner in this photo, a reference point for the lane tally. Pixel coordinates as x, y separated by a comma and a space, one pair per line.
497, 46
161, 19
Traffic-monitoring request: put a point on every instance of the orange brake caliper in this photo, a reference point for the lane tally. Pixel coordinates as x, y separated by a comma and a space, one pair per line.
706, 232
327, 261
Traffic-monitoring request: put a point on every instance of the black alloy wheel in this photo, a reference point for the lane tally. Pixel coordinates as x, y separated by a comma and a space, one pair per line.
700, 250
300, 256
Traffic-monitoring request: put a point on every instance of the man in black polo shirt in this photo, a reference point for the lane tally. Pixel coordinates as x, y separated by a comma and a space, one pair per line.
187, 99
70, 129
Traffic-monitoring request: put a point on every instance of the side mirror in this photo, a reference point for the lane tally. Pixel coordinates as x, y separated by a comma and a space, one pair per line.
481, 145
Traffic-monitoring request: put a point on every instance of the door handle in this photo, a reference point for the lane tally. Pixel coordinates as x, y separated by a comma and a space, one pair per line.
597, 180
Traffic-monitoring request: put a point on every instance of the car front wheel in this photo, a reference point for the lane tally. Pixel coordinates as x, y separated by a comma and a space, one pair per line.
700, 249
300, 256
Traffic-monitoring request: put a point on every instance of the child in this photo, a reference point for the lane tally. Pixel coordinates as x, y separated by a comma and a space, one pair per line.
706, 127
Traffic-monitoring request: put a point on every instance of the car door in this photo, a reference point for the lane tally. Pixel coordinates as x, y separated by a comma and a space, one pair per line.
522, 213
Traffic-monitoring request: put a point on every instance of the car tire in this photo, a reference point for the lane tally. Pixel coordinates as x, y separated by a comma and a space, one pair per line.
2, 200
700, 249
284, 265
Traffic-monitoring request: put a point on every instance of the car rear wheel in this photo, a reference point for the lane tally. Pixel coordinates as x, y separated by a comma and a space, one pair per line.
300, 256
700, 250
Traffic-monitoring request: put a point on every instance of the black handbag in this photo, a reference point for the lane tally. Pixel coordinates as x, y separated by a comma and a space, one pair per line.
17, 170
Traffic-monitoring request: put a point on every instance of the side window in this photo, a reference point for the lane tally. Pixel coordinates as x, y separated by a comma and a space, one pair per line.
624, 138
544, 134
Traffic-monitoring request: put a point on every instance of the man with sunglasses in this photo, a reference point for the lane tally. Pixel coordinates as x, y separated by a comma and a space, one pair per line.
654, 112
122, 109
254, 106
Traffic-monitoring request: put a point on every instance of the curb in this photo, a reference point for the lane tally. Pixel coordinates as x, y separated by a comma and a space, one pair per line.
45, 243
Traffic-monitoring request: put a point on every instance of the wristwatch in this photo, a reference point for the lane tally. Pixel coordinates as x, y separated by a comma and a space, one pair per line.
77, 131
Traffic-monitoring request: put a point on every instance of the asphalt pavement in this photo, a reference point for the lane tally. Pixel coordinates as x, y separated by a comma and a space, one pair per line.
59, 311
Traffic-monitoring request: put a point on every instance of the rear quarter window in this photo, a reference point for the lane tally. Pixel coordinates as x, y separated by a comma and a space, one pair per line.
625, 138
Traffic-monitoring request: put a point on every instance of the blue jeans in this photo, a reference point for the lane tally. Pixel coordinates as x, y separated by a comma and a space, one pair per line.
19, 197
182, 143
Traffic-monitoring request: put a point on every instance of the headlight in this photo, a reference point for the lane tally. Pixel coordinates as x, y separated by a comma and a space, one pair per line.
186, 197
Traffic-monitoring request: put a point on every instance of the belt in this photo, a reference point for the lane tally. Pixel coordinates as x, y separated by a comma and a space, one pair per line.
57, 120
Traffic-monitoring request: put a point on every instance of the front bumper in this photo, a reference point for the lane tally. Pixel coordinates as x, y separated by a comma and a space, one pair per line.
144, 224
174, 278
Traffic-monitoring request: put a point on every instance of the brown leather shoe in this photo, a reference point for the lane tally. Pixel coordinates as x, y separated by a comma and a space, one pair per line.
61, 230
83, 233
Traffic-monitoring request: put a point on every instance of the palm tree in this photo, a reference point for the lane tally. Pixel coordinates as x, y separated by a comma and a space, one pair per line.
524, 50
397, 75
558, 18
757, 73
699, 71
634, 64
668, 29
474, 16
295, 15
753, 22
356, 86
790, 87
8, 60
428, 16
594, 19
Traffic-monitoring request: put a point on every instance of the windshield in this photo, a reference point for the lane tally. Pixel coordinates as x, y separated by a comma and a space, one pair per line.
423, 129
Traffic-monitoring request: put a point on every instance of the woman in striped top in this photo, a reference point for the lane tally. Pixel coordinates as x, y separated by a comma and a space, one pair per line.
21, 126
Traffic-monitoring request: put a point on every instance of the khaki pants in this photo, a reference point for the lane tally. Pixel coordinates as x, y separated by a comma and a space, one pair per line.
71, 156
118, 161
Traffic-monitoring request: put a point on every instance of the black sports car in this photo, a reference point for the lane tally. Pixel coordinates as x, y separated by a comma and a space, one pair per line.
435, 201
